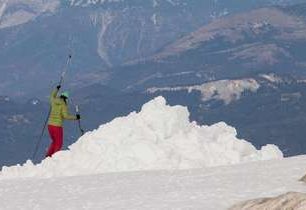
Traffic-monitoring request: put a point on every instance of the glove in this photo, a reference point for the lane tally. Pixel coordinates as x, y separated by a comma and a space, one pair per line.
58, 87
78, 116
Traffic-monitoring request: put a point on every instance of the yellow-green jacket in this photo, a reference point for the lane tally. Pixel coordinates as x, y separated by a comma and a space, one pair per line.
59, 110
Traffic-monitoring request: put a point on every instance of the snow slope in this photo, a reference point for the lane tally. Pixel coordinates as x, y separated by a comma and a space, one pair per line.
158, 137
210, 188
225, 90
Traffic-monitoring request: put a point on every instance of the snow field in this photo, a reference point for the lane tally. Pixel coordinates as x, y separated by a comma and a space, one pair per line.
215, 188
159, 137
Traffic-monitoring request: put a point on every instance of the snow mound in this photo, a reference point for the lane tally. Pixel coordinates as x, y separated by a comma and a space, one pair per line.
159, 137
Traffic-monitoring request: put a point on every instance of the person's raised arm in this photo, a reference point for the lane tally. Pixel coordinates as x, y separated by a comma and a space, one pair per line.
54, 93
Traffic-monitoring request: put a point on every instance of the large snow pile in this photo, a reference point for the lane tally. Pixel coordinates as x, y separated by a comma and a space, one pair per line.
158, 137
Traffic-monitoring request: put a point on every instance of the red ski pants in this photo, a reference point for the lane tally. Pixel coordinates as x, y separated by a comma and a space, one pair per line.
56, 134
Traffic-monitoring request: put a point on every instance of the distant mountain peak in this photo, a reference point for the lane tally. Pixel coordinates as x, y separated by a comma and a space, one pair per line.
17, 12
153, 3
91, 2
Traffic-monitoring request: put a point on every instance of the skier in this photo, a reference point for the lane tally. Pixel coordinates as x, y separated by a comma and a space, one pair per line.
59, 112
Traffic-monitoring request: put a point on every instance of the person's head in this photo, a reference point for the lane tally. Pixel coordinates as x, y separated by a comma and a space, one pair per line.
64, 95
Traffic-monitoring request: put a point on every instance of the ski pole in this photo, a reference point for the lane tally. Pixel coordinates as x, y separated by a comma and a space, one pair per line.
41, 135
65, 70
49, 112
79, 121
77, 110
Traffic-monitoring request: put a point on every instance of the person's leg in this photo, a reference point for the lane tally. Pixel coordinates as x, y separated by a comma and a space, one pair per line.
52, 133
59, 139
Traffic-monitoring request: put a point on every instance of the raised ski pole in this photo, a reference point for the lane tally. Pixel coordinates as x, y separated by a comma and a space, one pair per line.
79, 121
49, 112
65, 70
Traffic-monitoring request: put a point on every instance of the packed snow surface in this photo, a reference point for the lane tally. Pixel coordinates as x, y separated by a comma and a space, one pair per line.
216, 188
158, 137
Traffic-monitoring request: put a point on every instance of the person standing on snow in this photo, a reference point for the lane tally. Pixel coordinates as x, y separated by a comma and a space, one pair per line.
59, 113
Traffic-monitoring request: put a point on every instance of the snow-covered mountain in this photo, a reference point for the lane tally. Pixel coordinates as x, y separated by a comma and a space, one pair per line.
223, 90
36, 36
99, 37
17, 12
154, 3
